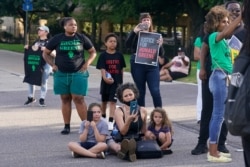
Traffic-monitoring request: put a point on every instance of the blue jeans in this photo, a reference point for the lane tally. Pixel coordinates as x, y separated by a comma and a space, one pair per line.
45, 76
143, 74
218, 88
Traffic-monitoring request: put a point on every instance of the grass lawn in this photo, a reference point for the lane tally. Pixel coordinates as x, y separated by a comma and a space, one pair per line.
19, 48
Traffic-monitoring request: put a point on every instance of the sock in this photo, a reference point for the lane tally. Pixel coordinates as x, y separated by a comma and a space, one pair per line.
111, 119
67, 126
104, 115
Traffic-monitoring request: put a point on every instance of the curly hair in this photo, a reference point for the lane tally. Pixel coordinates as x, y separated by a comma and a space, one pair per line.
165, 120
121, 88
214, 17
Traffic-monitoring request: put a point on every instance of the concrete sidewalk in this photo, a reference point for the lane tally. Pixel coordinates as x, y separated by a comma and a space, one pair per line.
30, 136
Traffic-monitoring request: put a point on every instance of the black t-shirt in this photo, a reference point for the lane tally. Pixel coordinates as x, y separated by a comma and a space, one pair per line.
69, 51
208, 60
33, 66
114, 64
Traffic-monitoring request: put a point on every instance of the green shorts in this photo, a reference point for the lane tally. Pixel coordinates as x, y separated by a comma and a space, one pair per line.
71, 83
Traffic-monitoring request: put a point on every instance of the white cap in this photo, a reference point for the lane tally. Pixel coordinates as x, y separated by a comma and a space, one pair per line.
44, 28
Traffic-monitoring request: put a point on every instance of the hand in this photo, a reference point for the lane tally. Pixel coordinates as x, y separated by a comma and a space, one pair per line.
93, 124
54, 68
109, 80
160, 41
137, 28
26, 46
84, 68
203, 74
42, 48
87, 124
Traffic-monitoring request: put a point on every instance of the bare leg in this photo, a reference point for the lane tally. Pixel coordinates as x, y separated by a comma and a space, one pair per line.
66, 112
99, 147
112, 106
81, 106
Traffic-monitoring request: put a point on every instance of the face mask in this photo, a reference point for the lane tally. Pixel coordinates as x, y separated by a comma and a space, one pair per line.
128, 103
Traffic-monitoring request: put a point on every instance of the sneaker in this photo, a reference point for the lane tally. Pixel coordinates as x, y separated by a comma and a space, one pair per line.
124, 149
218, 159
228, 155
29, 101
110, 125
131, 150
222, 148
75, 155
41, 102
65, 131
199, 149
100, 155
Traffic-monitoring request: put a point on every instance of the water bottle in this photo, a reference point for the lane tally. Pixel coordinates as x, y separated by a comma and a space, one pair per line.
108, 75
114, 131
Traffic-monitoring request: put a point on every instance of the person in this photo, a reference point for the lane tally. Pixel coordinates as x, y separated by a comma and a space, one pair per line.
163, 60
177, 68
142, 73
160, 129
217, 23
197, 51
70, 68
130, 125
111, 64
207, 99
246, 46
41, 42
92, 136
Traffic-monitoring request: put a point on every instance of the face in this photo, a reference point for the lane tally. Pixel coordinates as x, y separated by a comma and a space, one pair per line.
128, 95
70, 27
96, 113
223, 23
111, 43
234, 9
146, 21
41, 33
157, 118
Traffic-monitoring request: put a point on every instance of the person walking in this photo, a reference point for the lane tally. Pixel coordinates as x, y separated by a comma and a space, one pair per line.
70, 68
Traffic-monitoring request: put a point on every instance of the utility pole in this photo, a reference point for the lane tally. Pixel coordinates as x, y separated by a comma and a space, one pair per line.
27, 6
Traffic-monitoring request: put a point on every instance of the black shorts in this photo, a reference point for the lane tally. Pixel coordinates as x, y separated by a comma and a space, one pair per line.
87, 145
109, 97
176, 75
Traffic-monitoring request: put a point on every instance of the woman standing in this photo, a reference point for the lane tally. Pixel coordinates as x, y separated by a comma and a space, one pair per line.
70, 68
218, 26
142, 73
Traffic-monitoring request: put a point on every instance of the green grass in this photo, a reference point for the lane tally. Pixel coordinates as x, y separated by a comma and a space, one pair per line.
19, 48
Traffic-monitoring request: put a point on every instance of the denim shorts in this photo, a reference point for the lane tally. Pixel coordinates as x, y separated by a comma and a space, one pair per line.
71, 83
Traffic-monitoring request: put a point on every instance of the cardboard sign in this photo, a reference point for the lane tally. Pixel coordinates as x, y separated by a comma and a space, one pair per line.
33, 66
147, 48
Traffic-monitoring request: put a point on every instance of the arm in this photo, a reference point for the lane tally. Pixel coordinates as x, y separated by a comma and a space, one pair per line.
49, 57
84, 134
197, 53
106, 80
92, 55
130, 39
168, 141
186, 62
168, 65
144, 119
228, 31
204, 53
123, 126
99, 137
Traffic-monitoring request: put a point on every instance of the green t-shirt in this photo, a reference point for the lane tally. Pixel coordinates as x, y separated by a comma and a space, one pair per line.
198, 43
220, 53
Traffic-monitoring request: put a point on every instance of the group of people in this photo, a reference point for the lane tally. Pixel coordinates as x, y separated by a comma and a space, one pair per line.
71, 75
213, 51
95, 139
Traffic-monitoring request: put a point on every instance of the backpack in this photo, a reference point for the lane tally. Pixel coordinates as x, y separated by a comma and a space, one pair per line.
237, 109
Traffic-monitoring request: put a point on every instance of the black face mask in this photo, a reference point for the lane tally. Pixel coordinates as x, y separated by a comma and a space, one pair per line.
128, 103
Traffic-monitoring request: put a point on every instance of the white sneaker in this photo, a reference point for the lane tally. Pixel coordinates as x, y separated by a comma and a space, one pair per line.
110, 125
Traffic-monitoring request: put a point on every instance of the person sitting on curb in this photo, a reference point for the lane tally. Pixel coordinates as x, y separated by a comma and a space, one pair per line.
92, 136
177, 68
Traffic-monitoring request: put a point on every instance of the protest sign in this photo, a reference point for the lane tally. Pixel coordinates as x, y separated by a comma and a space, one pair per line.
33, 66
147, 48
235, 45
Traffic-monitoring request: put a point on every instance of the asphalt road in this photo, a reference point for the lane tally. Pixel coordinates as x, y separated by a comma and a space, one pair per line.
30, 135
